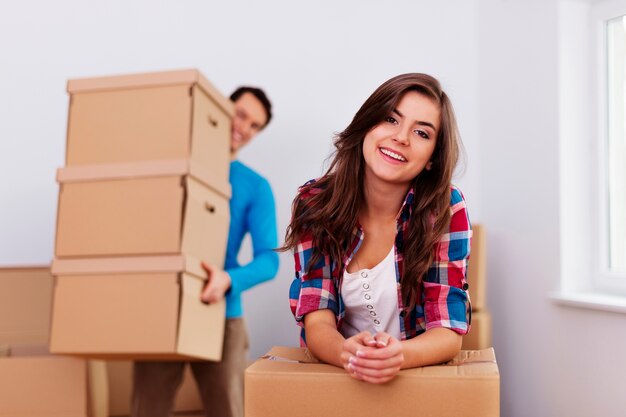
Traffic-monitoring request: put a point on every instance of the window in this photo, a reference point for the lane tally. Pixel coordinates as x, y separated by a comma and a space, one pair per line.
616, 143
592, 148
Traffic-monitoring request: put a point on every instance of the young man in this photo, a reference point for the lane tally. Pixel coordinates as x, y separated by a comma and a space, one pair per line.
252, 210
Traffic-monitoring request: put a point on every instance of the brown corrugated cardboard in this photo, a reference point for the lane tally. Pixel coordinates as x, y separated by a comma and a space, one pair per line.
43, 386
477, 268
140, 209
289, 381
122, 308
120, 389
25, 302
479, 336
140, 117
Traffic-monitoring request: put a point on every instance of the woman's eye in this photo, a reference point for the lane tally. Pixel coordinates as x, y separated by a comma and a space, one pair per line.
422, 134
390, 119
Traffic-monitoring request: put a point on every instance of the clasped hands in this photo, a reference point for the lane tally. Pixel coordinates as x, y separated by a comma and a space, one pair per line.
372, 358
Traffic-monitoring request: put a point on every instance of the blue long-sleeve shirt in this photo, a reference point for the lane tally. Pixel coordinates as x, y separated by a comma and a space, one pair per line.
252, 209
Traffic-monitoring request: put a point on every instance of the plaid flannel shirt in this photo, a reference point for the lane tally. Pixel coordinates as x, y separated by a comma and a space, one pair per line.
443, 292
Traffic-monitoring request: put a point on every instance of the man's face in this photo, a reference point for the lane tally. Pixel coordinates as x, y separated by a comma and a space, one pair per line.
250, 118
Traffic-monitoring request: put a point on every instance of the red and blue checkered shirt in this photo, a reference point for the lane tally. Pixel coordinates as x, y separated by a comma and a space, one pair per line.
443, 291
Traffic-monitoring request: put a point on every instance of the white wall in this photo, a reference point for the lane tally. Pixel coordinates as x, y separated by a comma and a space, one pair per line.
318, 62
498, 59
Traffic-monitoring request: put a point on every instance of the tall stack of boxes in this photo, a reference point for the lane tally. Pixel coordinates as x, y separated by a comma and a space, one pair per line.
479, 336
143, 200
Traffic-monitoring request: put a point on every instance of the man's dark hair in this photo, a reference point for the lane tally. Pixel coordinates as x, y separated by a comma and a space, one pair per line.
259, 94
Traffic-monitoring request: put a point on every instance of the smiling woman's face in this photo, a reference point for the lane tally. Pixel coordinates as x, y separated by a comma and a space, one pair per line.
401, 146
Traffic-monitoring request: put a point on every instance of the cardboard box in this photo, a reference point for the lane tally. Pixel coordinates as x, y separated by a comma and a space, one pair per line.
42, 385
479, 336
477, 268
121, 384
153, 116
153, 208
25, 302
289, 381
134, 308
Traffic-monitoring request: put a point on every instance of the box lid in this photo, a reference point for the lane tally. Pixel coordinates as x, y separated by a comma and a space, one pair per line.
139, 169
130, 264
468, 363
151, 79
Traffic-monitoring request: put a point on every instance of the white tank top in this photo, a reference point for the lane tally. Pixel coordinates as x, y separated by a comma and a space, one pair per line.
370, 297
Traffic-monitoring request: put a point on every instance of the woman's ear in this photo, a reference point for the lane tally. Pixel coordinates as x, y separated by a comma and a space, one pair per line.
429, 165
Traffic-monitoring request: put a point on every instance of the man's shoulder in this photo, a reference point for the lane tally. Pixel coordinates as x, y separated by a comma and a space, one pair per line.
241, 171
247, 181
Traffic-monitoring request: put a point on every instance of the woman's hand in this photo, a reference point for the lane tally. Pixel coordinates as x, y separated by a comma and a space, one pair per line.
375, 359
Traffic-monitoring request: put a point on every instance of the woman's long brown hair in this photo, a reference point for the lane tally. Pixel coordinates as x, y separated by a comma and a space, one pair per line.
330, 214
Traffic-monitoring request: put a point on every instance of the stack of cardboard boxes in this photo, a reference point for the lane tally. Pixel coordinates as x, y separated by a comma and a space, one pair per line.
32, 382
143, 200
479, 336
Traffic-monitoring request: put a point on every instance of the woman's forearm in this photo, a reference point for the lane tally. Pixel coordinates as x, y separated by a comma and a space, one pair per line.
431, 347
322, 337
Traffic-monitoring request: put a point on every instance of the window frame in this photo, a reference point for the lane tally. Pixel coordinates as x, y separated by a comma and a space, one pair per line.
604, 280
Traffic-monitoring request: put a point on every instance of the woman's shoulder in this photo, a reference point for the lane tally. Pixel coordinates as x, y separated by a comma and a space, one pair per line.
459, 220
456, 196
311, 188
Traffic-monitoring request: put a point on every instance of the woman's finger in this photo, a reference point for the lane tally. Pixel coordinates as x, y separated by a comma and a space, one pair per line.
382, 339
392, 362
373, 380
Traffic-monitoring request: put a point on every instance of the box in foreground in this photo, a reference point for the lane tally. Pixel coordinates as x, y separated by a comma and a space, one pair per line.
34, 383
290, 381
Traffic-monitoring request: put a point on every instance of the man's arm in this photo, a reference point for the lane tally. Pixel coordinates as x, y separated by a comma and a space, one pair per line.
261, 222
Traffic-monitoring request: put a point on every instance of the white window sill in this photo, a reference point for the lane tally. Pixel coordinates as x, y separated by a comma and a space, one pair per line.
593, 301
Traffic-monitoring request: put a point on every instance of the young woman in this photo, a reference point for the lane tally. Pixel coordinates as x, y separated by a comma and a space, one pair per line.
381, 241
